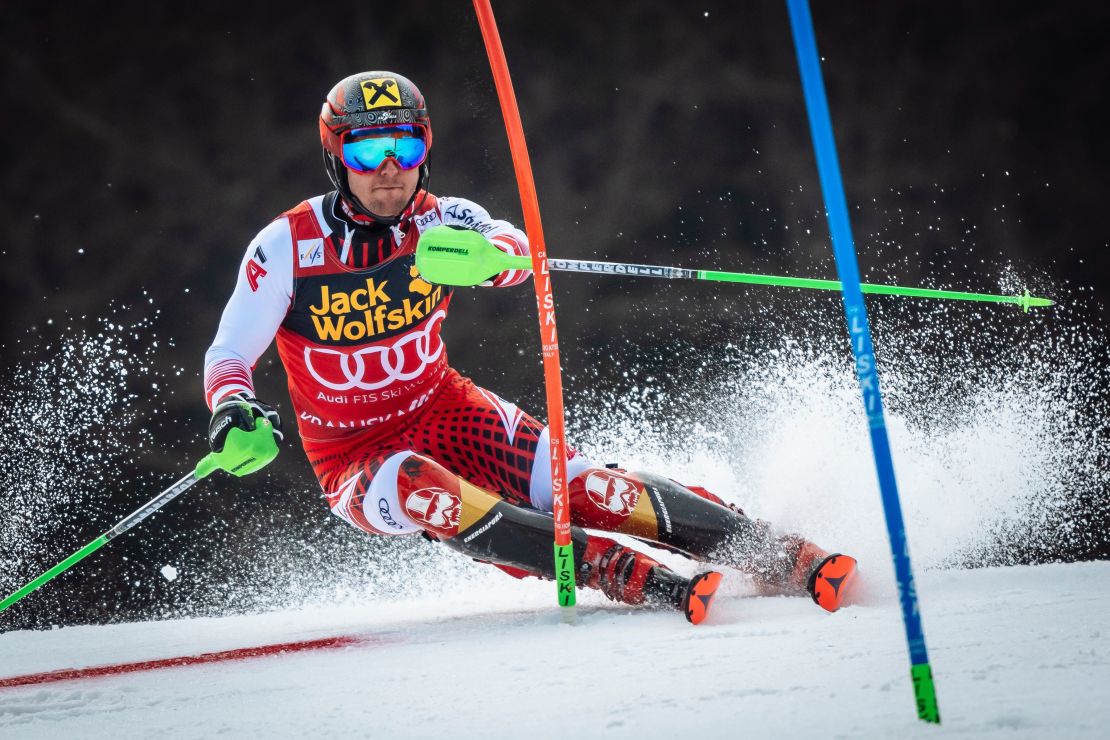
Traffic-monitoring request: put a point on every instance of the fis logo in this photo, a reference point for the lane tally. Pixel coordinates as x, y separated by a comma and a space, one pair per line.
310, 252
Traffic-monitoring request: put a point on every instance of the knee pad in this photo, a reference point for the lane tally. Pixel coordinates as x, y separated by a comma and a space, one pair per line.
616, 501
403, 493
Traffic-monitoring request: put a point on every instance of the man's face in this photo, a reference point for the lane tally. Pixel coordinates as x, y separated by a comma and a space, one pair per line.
386, 190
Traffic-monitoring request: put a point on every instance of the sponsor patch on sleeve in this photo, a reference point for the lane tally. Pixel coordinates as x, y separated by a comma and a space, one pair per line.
427, 220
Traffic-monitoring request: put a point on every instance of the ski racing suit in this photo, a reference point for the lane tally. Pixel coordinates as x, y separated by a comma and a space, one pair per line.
402, 443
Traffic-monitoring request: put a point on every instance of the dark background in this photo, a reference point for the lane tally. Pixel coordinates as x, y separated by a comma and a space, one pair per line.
146, 143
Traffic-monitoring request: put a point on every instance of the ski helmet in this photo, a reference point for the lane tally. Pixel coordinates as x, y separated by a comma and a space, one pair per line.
364, 100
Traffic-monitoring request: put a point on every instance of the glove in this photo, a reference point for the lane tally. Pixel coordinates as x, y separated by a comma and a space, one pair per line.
238, 411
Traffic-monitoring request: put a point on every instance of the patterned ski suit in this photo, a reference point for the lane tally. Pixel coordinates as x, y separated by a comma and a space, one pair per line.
402, 443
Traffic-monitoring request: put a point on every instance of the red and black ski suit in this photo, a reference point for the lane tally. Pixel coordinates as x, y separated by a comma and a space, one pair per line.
402, 443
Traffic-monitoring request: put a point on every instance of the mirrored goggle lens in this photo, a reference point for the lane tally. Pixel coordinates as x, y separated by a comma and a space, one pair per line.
364, 150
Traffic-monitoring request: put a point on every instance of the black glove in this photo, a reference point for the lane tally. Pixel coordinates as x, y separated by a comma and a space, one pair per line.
238, 411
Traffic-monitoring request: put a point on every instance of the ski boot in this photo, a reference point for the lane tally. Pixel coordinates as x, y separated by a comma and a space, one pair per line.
692, 597
631, 577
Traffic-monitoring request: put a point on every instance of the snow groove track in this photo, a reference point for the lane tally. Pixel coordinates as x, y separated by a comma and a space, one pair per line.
1020, 653
260, 651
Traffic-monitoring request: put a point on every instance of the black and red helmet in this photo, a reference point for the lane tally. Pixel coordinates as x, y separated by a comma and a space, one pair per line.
361, 101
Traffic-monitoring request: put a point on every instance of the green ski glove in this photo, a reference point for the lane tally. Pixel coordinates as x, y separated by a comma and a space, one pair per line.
243, 434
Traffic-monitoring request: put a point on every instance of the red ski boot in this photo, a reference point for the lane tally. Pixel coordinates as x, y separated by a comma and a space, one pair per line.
829, 579
692, 597
628, 576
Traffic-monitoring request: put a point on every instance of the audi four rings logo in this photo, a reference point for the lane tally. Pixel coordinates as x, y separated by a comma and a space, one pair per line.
387, 516
378, 366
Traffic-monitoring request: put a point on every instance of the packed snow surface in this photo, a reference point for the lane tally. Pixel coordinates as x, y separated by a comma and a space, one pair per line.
1018, 652
1000, 440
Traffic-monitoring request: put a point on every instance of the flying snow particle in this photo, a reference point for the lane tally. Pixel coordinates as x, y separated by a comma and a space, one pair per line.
169, 573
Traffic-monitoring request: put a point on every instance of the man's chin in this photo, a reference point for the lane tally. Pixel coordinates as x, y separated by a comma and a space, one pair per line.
388, 207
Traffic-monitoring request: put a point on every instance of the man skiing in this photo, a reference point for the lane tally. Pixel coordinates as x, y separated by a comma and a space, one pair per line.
400, 441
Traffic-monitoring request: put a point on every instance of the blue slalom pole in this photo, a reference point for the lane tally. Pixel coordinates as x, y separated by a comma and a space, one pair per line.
844, 250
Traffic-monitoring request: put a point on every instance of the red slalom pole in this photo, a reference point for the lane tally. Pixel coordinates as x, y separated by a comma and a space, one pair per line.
545, 302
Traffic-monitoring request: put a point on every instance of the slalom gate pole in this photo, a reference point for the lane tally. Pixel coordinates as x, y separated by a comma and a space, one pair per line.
844, 250
545, 303
255, 449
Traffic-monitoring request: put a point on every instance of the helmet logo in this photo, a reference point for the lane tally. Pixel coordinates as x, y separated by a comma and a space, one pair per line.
380, 93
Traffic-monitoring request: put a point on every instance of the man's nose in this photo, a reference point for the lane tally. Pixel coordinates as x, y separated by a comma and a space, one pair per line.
389, 168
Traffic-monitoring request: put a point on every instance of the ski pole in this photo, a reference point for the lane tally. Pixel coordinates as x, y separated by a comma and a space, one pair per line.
244, 452
855, 311
545, 304
447, 256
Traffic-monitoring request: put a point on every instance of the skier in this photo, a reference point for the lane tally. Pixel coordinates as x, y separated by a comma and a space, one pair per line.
401, 442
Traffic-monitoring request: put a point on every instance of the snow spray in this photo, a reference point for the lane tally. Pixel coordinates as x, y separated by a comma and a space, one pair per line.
997, 423
997, 420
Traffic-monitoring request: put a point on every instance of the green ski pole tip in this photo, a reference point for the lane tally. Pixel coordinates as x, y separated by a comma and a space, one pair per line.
1027, 301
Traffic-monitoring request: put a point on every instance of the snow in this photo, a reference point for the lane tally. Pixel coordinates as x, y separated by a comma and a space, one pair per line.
1018, 652
999, 441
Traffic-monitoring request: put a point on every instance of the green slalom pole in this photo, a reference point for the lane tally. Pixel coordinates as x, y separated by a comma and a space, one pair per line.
455, 257
244, 452
1025, 300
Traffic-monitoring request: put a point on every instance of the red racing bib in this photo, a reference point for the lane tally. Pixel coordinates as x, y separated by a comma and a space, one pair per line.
361, 348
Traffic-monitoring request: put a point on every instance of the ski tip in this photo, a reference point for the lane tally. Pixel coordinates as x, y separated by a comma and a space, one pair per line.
699, 596
833, 581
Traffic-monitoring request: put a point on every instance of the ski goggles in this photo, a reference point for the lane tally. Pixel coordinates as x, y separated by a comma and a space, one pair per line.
365, 149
